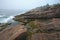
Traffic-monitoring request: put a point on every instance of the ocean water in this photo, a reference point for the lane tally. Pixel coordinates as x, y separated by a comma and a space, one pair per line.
5, 19
8, 15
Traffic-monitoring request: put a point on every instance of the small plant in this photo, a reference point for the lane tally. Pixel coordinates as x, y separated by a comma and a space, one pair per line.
32, 24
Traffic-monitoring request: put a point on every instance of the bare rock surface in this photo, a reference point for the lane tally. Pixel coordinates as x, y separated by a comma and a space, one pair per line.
46, 36
12, 32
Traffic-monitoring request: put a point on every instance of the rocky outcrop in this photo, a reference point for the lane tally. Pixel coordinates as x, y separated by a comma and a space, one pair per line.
43, 23
40, 24
52, 12
13, 32
53, 25
47, 31
46, 36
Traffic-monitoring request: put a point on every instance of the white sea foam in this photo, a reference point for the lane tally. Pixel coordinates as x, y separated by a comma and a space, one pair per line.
5, 20
8, 18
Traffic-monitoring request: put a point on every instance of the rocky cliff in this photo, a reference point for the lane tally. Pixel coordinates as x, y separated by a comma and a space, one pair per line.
43, 23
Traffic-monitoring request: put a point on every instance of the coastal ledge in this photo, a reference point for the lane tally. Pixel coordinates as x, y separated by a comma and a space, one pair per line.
12, 32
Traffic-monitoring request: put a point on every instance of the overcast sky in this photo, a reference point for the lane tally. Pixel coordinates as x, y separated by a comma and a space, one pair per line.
24, 4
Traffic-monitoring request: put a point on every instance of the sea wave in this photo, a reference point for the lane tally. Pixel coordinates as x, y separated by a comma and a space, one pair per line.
5, 20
